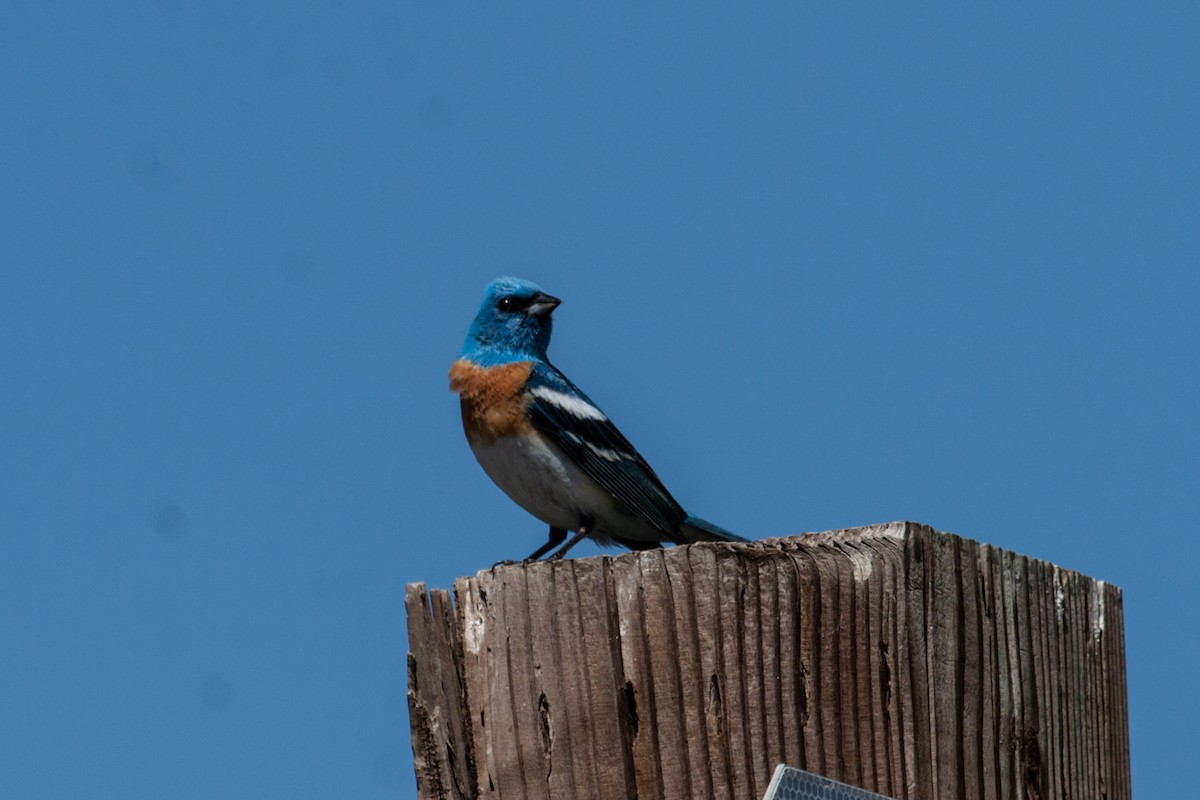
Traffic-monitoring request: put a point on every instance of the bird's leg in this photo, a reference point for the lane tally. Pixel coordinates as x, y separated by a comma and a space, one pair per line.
556, 538
585, 527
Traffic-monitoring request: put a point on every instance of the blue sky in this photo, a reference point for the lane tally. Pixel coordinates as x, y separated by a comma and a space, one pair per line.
824, 266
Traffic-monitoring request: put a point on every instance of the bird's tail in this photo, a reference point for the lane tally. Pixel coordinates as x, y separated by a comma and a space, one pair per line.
695, 529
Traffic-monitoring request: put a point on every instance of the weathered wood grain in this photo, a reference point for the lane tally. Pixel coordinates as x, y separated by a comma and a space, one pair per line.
437, 703
913, 663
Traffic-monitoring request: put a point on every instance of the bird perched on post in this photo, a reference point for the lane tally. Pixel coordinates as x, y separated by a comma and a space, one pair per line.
547, 445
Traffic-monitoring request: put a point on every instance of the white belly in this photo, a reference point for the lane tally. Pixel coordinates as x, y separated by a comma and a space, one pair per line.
545, 482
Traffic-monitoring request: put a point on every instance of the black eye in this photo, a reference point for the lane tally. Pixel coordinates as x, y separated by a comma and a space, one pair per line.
506, 304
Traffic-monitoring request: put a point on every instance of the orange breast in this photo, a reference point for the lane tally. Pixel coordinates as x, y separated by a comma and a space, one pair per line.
493, 404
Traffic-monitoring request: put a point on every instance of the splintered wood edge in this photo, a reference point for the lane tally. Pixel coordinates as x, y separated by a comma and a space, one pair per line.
899, 531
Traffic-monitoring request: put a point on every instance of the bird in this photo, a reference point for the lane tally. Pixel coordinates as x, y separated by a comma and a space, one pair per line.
547, 445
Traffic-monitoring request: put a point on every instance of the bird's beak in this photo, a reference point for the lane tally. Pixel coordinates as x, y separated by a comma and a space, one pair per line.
541, 305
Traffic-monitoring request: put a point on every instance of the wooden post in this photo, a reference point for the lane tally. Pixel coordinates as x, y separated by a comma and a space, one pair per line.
913, 663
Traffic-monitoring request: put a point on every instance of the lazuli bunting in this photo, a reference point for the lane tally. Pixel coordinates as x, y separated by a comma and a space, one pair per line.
547, 445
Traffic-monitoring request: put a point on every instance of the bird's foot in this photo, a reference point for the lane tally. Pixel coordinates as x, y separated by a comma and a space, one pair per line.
556, 538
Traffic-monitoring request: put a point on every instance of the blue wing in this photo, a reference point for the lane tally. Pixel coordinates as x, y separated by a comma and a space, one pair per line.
562, 412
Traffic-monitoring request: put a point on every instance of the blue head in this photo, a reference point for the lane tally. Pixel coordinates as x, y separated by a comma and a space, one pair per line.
513, 324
